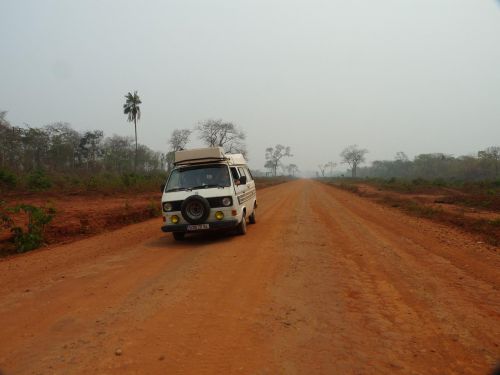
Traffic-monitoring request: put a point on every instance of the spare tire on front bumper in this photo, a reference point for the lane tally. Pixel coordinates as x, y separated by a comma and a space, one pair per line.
195, 209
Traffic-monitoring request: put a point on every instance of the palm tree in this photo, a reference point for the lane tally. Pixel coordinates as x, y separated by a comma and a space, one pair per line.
133, 111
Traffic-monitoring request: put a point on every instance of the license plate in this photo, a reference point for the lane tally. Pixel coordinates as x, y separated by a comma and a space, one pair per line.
198, 227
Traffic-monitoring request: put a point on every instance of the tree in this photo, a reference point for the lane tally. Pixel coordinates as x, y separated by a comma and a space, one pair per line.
353, 156
292, 169
178, 141
117, 153
133, 111
11, 144
401, 157
401, 165
90, 149
274, 156
63, 146
322, 168
217, 133
3, 119
270, 167
492, 155
35, 147
435, 165
331, 165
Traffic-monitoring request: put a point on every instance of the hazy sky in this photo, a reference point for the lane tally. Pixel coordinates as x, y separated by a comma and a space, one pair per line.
389, 75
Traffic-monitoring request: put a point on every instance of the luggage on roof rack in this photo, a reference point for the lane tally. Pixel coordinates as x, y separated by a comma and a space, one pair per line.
199, 155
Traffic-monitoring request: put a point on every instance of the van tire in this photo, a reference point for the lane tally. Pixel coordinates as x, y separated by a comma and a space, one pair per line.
242, 226
179, 236
251, 218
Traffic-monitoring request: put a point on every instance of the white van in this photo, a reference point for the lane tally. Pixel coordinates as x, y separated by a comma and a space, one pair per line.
208, 190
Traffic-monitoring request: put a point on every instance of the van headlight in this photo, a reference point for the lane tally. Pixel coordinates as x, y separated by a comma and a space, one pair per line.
167, 206
227, 201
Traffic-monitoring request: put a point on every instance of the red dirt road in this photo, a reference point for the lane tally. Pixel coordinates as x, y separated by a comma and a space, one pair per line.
325, 283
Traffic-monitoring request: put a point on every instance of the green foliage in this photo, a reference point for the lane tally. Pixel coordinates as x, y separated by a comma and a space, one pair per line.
438, 167
60, 149
31, 237
495, 222
129, 179
91, 183
7, 179
154, 208
5, 218
103, 182
38, 180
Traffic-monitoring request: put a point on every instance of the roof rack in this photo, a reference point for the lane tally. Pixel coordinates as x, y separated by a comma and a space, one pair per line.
199, 155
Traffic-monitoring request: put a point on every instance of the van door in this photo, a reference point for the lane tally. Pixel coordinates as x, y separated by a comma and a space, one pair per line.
245, 190
251, 190
239, 189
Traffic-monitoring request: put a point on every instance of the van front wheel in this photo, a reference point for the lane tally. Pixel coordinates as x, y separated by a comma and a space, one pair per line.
251, 218
242, 226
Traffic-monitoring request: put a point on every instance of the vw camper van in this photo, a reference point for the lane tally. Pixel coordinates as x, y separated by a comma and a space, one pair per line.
208, 190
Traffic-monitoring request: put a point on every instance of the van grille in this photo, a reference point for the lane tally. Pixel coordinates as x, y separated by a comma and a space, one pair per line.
214, 203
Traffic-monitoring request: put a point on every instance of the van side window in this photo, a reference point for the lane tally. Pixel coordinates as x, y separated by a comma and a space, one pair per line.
242, 171
249, 174
234, 173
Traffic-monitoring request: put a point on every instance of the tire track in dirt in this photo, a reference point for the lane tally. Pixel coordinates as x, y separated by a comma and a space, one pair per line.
440, 313
324, 283
93, 305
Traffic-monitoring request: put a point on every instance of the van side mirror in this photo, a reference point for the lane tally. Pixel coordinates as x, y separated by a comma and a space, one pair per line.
162, 187
243, 180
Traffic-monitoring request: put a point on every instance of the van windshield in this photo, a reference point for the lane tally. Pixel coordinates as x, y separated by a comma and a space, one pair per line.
199, 177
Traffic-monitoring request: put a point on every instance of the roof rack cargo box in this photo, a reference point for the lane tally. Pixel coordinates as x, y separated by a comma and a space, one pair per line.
199, 155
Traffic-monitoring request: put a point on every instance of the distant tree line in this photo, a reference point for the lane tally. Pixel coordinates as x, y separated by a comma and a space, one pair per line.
485, 165
58, 147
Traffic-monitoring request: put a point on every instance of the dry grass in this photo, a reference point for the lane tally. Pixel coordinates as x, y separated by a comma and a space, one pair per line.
488, 229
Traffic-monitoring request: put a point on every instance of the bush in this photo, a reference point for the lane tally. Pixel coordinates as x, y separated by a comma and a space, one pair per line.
5, 219
38, 180
31, 237
91, 183
7, 179
129, 179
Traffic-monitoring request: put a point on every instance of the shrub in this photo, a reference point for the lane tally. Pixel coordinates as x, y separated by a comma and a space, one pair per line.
129, 179
349, 187
154, 208
7, 179
419, 181
5, 219
38, 180
31, 237
91, 183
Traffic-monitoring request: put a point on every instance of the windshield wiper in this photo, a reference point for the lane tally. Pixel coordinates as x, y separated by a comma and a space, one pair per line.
208, 186
179, 189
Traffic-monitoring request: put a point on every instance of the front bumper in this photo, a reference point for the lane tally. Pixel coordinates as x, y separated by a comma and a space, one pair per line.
215, 225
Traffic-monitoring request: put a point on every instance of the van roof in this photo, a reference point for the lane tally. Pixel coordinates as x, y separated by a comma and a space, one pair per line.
207, 155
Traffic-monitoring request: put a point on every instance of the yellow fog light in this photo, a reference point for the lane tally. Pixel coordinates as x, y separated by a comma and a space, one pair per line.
174, 219
219, 215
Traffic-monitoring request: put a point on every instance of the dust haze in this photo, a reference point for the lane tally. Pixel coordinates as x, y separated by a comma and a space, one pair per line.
413, 76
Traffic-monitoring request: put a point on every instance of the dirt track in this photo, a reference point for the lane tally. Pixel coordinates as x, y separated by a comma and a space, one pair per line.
325, 283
